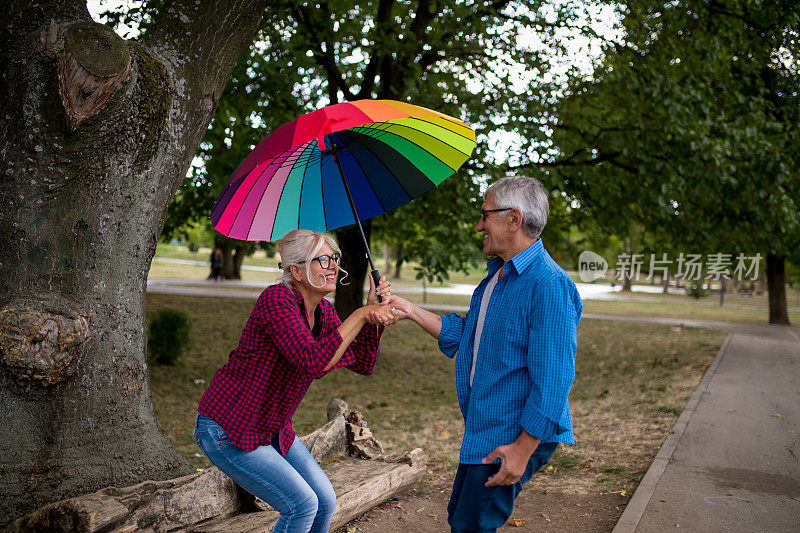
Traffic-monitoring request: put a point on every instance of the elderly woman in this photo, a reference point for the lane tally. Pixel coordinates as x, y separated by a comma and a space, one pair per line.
293, 335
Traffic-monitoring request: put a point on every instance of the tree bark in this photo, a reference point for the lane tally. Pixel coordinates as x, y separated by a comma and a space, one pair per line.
398, 261
232, 258
776, 286
351, 296
238, 259
627, 276
99, 134
387, 258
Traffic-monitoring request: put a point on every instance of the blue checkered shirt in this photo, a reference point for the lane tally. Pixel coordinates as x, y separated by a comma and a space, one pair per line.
526, 358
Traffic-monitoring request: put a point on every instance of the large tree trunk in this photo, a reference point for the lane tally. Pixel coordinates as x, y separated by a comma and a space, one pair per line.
776, 286
231, 259
398, 260
98, 135
238, 259
354, 260
387, 258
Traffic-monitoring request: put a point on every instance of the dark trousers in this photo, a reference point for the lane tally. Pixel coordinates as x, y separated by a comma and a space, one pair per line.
475, 508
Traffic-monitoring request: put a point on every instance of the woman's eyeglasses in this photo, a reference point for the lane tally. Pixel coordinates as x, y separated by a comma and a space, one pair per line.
326, 260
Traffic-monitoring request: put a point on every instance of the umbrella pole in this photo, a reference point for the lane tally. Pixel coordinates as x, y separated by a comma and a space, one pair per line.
376, 276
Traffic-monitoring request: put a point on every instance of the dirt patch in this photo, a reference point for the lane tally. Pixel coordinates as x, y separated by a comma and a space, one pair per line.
423, 510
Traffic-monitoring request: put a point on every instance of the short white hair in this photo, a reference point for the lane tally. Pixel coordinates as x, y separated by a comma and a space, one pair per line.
526, 194
299, 247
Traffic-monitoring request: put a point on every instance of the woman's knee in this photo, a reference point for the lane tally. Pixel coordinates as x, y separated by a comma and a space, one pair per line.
327, 499
307, 507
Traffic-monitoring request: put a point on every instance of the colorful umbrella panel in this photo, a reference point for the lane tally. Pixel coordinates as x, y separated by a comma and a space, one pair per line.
287, 182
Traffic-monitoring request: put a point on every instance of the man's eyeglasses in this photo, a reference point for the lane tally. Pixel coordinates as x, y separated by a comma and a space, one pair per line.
485, 212
326, 260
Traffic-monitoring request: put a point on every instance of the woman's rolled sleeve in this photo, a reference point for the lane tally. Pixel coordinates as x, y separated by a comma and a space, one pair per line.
365, 349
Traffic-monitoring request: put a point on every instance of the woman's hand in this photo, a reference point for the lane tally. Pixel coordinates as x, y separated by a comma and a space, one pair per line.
380, 315
384, 289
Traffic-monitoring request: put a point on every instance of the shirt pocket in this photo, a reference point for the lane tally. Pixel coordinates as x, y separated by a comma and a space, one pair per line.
513, 346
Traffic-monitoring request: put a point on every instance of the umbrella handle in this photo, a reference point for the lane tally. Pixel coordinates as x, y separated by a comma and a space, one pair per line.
376, 276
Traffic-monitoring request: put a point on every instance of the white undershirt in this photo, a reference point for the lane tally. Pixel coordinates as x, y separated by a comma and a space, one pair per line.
487, 295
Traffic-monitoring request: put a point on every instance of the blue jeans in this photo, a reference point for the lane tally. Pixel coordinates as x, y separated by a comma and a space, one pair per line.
476, 508
294, 485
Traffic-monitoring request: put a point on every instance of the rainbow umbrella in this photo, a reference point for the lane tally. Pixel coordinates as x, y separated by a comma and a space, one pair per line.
373, 155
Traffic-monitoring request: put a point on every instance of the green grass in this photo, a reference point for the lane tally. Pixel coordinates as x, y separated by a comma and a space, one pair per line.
631, 382
163, 269
175, 251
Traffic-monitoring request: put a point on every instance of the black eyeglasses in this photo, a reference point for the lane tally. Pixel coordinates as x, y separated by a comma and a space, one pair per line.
485, 212
323, 260
326, 260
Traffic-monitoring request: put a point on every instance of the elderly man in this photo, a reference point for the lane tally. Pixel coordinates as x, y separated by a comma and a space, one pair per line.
515, 357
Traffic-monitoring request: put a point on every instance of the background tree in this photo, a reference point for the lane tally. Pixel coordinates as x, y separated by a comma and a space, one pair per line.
688, 126
461, 59
99, 133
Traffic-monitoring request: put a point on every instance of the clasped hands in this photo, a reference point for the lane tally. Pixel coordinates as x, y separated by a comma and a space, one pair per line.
391, 308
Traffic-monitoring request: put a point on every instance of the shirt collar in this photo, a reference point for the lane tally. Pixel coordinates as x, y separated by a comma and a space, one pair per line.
297, 296
521, 261
319, 312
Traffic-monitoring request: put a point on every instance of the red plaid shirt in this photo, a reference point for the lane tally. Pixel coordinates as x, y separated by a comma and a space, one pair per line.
255, 394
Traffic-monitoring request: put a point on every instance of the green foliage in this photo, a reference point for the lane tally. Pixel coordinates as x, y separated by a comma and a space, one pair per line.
463, 59
688, 127
696, 290
168, 336
437, 229
198, 234
270, 249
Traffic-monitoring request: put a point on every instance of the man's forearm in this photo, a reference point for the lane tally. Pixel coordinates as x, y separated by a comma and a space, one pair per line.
430, 322
527, 442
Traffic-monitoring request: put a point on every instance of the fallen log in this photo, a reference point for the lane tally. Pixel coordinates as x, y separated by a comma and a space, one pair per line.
202, 501
159, 505
360, 485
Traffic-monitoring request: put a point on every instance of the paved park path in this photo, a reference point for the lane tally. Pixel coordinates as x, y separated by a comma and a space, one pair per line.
732, 460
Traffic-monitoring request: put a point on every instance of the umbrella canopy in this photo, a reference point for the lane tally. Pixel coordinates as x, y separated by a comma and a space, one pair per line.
388, 152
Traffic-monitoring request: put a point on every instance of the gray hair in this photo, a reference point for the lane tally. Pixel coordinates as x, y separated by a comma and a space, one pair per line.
299, 247
526, 194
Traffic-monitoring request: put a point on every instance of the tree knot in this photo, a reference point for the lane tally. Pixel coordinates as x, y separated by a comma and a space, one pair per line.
38, 345
93, 62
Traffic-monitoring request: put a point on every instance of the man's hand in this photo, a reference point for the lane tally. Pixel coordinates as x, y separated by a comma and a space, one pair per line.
400, 306
513, 460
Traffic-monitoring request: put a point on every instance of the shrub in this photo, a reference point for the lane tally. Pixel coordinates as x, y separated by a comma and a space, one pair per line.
168, 336
696, 290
